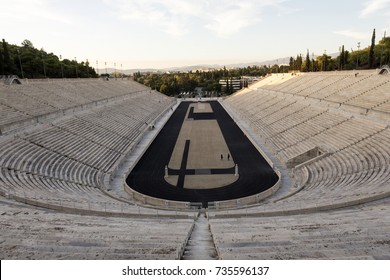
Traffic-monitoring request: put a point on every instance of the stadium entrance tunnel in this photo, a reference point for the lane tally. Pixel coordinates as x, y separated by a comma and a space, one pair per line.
201, 158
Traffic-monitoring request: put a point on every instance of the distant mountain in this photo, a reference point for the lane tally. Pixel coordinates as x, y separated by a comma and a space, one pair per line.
279, 61
130, 71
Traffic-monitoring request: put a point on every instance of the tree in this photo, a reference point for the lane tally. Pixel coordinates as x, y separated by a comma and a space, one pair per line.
298, 62
342, 58
325, 63
36, 62
27, 43
382, 51
231, 86
1, 61
225, 72
314, 65
292, 63
307, 62
371, 57
8, 64
227, 87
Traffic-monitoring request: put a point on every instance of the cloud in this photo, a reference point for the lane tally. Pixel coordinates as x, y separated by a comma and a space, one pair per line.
230, 19
373, 6
222, 17
353, 34
31, 11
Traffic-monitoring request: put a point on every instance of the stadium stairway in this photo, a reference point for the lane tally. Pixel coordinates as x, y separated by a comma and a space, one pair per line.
200, 245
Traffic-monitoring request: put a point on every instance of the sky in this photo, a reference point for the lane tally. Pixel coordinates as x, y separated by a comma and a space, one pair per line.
169, 33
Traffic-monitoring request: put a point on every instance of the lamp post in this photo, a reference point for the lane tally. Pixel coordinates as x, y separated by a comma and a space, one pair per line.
44, 67
77, 73
324, 60
384, 37
293, 66
62, 67
87, 64
121, 71
312, 58
357, 55
97, 67
339, 58
20, 62
115, 70
105, 64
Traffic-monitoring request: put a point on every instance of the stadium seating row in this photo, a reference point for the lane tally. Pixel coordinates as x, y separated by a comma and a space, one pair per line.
353, 233
32, 233
355, 150
67, 163
36, 100
365, 89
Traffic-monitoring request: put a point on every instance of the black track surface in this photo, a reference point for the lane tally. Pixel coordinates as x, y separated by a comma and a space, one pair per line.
255, 173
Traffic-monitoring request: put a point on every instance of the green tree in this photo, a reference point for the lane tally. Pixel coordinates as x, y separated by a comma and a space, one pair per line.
298, 62
342, 58
325, 63
231, 86
36, 62
225, 72
307, 62
382, 51
8, 64
292, 63
27, 43
371, 55
227, 87
2, 66
314, 65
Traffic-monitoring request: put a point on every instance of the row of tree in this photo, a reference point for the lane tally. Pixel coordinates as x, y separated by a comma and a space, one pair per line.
371, 57
174, 83
26, 61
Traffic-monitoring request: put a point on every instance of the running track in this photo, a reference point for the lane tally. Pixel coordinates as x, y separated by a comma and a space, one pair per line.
255, 173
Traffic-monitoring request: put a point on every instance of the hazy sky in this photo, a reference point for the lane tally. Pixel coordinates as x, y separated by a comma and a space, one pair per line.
163, 33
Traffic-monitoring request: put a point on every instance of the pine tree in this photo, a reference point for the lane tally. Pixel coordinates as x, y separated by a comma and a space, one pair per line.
298, 62
371, 58
346, 58
227, 86
313, 63
292, 63
342, 58
307, 62
6, 59
1, 61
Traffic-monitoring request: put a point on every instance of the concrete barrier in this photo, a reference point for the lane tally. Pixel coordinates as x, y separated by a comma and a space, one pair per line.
249, 200
308, 210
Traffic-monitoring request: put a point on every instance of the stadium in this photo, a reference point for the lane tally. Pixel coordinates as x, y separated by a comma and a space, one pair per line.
296, 166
